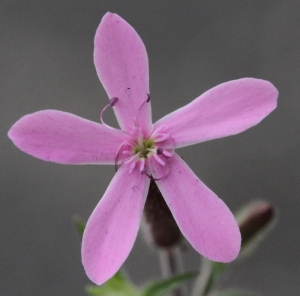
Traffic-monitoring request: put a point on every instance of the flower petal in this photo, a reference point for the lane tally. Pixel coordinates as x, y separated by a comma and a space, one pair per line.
121, 62
112, 228
62, 137
202, 217
227, 109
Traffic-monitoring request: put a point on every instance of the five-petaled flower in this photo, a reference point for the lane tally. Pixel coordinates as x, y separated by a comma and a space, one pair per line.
145, 151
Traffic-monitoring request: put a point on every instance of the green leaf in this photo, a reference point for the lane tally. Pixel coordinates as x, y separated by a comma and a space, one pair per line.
163, 287
80, 225
232, 292
118, 285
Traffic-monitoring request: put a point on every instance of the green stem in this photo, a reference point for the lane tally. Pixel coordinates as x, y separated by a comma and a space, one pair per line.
203, 279
171, 264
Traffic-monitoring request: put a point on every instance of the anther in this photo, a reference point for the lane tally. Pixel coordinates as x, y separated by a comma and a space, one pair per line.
125, 143
159, 151
164, 153
144, 172
112, 102
145, 102
159, 159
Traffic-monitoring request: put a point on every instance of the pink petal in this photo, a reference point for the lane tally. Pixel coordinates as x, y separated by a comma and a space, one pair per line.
227, 109
112, 228
121, 62
202, 217
66, 138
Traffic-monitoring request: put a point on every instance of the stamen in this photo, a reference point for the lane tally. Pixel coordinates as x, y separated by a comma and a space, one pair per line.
132, 166
152, 150
161, 137
112, 102
145, 102
144, 172
138, 113
159, 151
159, 160
163, 152
130, 159
158, 131
142, 164
125, 143
126, 152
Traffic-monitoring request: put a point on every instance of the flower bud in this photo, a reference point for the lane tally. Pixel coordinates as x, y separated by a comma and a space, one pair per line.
159, 225
254, 221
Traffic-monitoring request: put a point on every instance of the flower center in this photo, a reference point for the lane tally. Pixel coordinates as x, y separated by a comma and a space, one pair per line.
145, 152
143, 148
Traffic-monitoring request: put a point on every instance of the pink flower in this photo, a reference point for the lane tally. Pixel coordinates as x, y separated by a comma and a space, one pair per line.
144, 150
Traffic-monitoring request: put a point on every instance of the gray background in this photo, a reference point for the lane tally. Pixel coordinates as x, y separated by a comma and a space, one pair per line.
46, 62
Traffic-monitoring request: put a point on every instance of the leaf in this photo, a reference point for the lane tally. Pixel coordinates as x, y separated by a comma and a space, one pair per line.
80, 225
163, 287
232, 292
118, 285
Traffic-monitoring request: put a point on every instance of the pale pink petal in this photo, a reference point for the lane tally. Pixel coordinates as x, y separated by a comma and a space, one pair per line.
112, 228
227, 109
121, 62
202, 217
66, 138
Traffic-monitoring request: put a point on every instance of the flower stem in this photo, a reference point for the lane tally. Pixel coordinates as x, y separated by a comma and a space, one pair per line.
201, 284
171, 264
162, 232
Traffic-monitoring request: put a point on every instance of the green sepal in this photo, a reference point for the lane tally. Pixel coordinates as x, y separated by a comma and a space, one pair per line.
118, 285
79, 225
164, 287
232, 292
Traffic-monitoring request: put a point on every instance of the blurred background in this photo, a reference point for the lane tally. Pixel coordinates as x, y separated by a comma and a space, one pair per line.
46, 54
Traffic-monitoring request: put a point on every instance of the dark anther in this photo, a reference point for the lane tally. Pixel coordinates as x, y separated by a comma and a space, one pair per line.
113, 101
147, 101
159, 151
144, 172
